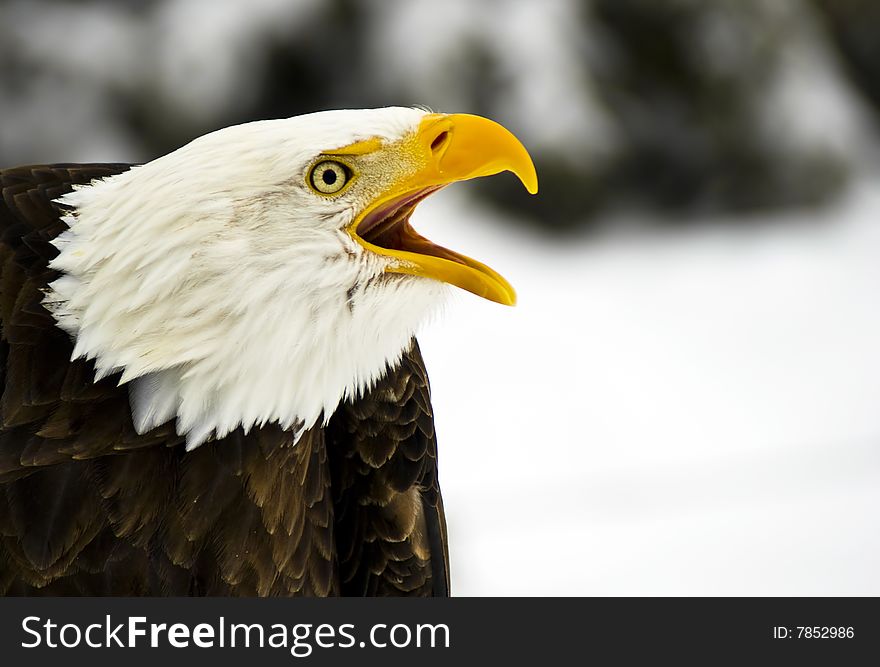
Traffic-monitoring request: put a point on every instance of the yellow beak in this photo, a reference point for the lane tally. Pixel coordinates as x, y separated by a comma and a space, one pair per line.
449, 148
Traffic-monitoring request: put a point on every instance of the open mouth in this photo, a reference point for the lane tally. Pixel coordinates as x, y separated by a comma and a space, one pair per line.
388, 227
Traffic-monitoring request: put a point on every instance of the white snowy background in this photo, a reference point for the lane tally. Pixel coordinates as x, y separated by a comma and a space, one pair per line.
668, 411
664, 414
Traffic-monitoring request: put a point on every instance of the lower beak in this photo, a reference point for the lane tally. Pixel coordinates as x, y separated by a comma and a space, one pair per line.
450, 148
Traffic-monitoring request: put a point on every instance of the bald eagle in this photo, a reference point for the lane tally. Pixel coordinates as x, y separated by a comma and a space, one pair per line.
210, 380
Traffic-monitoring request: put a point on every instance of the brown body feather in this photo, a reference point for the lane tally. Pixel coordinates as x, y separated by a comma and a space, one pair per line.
89, 507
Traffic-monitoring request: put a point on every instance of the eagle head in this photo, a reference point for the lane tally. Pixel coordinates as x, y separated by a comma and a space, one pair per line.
267, 271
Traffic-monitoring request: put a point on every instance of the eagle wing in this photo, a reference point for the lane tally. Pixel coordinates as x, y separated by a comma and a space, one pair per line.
90, 507
391, 529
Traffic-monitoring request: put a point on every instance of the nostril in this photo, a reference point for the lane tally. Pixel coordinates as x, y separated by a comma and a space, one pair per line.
439, 142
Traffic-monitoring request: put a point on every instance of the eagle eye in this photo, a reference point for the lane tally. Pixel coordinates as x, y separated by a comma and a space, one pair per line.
329, 177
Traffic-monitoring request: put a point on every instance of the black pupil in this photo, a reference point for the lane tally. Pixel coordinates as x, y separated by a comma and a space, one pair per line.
329, 176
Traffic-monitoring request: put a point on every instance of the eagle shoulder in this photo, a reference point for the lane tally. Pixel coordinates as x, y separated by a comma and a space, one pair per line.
392, 529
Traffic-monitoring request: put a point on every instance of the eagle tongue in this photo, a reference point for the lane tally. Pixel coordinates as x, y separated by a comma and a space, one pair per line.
391, 214
383, 230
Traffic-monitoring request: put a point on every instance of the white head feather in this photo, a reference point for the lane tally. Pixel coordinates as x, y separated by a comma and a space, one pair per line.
225, 290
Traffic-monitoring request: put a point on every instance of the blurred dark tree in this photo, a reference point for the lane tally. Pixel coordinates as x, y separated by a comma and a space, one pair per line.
309, 70
854, 26
684, 85
690, 118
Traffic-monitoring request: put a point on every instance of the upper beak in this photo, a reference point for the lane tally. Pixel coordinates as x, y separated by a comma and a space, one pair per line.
450, 147
462, 146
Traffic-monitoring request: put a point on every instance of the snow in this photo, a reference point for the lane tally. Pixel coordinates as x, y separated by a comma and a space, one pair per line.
664, 413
